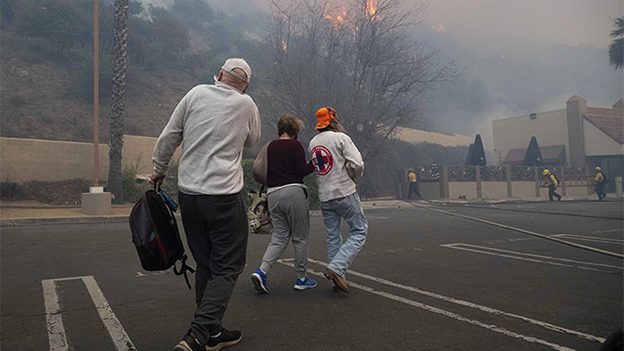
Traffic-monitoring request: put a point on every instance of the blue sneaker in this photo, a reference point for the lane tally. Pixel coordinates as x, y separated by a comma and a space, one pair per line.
259, 279
305, 283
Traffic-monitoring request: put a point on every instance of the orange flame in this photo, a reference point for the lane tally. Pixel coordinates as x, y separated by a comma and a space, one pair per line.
338, 20
284, 45
371, 9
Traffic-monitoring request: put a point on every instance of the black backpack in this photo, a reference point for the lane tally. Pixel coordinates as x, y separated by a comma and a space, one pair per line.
556, 178
155, 233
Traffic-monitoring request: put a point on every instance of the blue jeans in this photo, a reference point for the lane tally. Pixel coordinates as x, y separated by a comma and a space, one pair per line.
341, 255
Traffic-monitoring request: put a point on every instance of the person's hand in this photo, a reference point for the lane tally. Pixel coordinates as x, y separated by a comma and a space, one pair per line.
157, 179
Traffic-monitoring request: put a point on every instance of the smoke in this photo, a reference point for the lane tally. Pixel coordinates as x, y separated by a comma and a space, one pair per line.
532, 78
508, 69
230, 7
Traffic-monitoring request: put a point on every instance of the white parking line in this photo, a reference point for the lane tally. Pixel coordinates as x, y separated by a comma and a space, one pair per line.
54, 321
494, 328
614, 254
533, 258
56, 330
607, 231
590, 238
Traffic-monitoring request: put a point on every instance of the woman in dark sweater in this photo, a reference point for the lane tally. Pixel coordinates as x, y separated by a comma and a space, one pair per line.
288, 204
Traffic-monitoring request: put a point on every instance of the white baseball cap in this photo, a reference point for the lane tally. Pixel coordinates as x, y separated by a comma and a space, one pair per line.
232, 63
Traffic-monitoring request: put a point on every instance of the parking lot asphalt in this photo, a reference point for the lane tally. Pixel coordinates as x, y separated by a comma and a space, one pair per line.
425, 280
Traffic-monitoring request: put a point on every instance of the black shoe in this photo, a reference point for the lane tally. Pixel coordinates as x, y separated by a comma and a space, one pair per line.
227, 338
188, 343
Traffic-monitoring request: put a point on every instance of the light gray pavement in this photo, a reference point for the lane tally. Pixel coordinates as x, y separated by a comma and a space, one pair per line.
32, 213
425, 280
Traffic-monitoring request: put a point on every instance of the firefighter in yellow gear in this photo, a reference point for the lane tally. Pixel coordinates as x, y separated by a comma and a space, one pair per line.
413, 184
600, 180
552, 185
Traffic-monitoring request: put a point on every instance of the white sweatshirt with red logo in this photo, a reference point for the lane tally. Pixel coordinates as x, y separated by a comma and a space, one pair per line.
330, 152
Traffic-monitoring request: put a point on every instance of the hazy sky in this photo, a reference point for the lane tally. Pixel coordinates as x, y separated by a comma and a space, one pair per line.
503, 25
519, 56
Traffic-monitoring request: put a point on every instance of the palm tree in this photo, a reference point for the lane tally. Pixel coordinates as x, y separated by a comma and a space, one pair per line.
616, 49
117, 105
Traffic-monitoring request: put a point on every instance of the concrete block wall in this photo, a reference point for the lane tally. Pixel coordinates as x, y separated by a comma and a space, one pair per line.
489, 189
23, 160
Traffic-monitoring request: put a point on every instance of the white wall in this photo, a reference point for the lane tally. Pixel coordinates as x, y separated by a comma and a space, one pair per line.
468, 189
494, 190
597, 143
525, 189
430, 190
575, 191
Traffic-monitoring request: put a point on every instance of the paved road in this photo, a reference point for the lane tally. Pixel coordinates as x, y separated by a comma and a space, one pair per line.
425, 280
591, 208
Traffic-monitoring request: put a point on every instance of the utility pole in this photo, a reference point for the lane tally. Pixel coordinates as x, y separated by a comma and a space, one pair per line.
96, 93
96, 201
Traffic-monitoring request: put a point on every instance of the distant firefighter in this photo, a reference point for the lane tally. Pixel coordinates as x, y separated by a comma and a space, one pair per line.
553, 183
413, 184
601, 181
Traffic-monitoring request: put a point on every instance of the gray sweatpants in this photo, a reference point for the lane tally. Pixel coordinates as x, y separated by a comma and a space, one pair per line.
290, 214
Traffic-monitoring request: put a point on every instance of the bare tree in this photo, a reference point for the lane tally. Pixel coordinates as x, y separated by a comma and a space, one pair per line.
356, 56
115, 185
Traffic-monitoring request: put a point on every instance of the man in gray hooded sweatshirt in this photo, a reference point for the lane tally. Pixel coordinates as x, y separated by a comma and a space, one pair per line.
213, 123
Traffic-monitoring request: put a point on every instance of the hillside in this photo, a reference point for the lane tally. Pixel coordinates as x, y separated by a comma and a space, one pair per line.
38, 98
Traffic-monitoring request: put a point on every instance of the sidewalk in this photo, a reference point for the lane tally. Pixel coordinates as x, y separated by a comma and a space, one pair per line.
611, 197
31, 213
24, 213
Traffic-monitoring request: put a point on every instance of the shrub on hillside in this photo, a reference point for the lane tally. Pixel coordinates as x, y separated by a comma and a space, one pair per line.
58, 22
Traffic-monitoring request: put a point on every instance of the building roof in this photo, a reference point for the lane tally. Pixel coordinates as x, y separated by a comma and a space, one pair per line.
551, 155
416, 136
609, 121
575, 98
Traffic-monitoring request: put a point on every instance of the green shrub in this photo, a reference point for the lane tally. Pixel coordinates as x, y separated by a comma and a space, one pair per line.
133, 188
310, 182
170, 185
10, 191
63, 192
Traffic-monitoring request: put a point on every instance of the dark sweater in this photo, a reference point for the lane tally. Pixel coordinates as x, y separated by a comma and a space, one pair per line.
287, 163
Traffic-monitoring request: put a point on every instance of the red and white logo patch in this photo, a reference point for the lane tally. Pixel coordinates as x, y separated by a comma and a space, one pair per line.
322, 160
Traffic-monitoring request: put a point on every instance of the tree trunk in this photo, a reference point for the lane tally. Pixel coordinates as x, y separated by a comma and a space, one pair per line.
117, 105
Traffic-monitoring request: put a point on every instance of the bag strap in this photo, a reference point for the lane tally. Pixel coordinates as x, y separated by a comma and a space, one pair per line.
183, 269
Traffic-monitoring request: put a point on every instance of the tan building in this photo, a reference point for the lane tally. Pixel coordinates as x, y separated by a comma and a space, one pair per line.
578, 136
